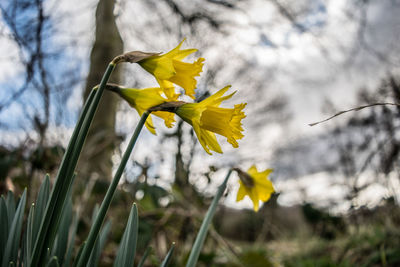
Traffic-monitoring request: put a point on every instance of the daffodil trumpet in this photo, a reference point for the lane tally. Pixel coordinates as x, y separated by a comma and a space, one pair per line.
208, 119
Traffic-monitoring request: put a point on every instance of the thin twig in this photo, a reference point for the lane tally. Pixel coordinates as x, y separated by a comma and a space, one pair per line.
355, 109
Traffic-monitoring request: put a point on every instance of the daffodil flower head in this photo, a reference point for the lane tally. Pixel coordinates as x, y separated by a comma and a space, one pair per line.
207, 118
169, 69
142, 100
255, 185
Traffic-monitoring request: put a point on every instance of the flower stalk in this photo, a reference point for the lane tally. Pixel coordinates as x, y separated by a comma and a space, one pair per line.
201, 236
95, 229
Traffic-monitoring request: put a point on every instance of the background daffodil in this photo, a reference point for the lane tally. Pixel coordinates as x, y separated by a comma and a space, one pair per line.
254, 184
142, 100
169, 69
207, 118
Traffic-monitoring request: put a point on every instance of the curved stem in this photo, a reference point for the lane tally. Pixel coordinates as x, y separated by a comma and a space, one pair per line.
201, 236
94, 231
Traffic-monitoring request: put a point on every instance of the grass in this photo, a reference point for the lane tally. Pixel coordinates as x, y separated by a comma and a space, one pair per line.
367, 245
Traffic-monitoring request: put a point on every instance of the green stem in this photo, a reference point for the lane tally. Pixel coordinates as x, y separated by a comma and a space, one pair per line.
64, 177
201, 236
95, 229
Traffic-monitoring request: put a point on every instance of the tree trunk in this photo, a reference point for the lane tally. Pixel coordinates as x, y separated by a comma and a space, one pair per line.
100, 143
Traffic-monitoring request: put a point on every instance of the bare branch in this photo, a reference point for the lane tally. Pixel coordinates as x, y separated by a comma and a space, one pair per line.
354, 109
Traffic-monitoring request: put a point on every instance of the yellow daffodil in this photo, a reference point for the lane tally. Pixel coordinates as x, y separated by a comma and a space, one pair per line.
254, 184
207, 118
142, 100
169, 69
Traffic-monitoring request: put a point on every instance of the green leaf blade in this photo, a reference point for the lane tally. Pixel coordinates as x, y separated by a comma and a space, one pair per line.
127, 249
4, 225
168, 258
10, 203
40, 206
28, 237
144, 257
11, 250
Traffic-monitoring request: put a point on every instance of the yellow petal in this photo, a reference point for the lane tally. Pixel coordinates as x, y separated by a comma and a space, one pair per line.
254, 198
207, 139
184, 53
150, 126
143, 99
168, 89
262, 179
168, 117
203, 143
241, 193
211, 140
267, 172
179, 54
185, 73
252, 170
264, 192
215, 98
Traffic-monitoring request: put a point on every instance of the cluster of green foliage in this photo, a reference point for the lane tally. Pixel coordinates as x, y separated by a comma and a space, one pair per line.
17, 243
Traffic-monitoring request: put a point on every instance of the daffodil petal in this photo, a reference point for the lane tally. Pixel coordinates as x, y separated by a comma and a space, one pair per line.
264, 193
143, 99
150, 126
254, 198
252, 171
175, 51
215, 97
197, 130
168, 117
184, 53
211, 141
241, 193
185, 73
207, 139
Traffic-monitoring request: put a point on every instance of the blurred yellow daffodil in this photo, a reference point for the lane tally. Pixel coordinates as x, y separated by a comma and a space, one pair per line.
254, 184
169, 69
207, 118
142, 100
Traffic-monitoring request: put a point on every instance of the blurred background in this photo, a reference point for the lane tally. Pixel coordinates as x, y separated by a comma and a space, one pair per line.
293, 63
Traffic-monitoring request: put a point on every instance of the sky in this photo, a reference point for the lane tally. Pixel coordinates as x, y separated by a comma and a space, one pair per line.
325, 62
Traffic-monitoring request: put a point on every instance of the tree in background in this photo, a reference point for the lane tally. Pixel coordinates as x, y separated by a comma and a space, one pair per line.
102, 139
